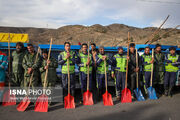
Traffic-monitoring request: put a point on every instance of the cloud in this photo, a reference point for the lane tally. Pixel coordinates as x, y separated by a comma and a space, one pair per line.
56, 13
38, 13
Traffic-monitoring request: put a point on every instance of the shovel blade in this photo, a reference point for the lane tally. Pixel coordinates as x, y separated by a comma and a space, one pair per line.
152, 93
23, 104
88, 98
41, 104
126, 96
8, 99
69, 102
139, 94
107, 99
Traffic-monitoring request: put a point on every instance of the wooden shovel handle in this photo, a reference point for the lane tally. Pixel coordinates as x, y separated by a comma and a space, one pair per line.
9, 59
68, 76
105, 75
127, 61
46, 74
30, 82
152, 68
88, 70
157, 31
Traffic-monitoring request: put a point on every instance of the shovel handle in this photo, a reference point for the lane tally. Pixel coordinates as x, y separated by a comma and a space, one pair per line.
30, 82
127, 61
46, 74
152, 68
137, 76
68, 76
157, 31
105, 75
9, 57
88, 70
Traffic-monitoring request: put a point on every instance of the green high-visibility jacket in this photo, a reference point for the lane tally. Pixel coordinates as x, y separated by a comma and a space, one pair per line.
63, 61
120, 62
82, 60
146, 62
169, 66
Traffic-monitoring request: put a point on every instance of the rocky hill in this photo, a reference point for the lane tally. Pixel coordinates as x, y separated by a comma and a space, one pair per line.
111, 35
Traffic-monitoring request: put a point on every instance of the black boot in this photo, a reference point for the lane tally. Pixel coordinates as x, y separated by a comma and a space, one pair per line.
166, 91
99, 94
170, 91
81, 99
161, 89
73, 94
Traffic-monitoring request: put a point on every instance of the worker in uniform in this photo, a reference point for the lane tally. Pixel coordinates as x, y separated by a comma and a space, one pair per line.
83, 62
132, 71
159, 69
62, 60
3, 67
119, 61
171, 68
17, 68
31, 67
51, 76
100, 58
147, 62
94, 53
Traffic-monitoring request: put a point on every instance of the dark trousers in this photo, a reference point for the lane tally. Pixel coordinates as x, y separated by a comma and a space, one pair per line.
169, 79
101, 83
132, 81
65, 84
83, 79
147, 77
120, 81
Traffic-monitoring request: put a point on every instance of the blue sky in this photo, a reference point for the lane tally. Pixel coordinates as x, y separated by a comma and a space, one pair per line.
57, 13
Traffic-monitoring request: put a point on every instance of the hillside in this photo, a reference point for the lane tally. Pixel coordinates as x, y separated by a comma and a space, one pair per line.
111, 35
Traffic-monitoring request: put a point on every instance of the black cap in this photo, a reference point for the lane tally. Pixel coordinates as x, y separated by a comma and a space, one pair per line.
172, 48
44, 51
120, 47
132, 45
157, 45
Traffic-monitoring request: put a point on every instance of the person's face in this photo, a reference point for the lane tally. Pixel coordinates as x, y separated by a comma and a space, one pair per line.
147, 51
67, 47
132, 49
45, 55
101, 50
93, 47
172, 52
120, 51
158, 49
30, 49
18, 48
84, 48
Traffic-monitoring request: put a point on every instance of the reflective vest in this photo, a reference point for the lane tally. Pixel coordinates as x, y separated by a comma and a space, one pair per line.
84, 58
147, 59
169, 67
121, 62
101, 67
71, 65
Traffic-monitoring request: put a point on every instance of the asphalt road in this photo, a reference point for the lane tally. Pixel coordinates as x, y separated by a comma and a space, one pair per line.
164, 108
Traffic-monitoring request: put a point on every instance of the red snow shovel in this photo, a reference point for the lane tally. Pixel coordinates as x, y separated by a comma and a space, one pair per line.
42, 101
26, 101
88, 96
107, 98
126, 93
9, 99
69, 100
